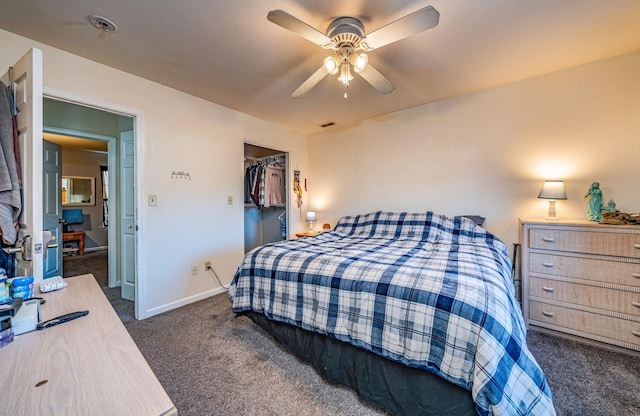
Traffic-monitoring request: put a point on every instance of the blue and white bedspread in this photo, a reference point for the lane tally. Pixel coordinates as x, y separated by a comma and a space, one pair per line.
424, 290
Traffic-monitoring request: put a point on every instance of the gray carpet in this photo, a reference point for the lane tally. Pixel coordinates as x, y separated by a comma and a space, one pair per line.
586, 379
94, 262
211, 363
123, 307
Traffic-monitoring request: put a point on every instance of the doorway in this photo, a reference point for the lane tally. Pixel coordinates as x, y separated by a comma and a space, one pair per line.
91, 141
75, 194
26, 76
265, 196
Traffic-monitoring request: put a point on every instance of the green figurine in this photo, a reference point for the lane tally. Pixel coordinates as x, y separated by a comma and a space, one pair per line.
594, 211
611, 206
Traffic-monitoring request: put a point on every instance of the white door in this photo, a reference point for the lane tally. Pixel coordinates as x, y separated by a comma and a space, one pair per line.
127, 246
52, 207
26, 81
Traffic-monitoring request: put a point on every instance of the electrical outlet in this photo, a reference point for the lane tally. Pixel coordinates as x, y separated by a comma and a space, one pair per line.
207, 264
194, 269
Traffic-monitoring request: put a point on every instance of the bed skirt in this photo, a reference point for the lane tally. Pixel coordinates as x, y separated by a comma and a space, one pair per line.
396, 388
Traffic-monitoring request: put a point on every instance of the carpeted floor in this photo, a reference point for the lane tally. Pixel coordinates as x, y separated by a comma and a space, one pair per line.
96, 263
587, 379
212, 363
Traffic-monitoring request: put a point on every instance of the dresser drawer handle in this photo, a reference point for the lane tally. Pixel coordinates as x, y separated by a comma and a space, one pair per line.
636, 245
548, 239
636, 333
549, 314
547, 264
636, 275
636, 304
550, 289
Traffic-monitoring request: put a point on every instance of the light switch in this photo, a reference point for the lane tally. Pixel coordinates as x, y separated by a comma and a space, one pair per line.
153, 200
230, 200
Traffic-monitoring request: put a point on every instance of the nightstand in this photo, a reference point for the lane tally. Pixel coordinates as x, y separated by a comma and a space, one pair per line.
308, 234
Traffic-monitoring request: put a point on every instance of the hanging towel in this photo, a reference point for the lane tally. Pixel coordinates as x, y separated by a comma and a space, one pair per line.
10, 199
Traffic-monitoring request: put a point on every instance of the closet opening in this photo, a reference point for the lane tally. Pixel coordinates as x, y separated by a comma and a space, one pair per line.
265, 196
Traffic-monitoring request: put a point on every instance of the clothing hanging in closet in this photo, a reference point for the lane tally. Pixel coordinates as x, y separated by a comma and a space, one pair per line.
264, 184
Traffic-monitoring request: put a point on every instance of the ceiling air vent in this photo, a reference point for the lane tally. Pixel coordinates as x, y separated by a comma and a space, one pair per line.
102, 23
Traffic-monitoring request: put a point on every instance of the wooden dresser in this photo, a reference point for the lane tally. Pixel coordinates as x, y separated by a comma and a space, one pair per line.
87, 366
582, 278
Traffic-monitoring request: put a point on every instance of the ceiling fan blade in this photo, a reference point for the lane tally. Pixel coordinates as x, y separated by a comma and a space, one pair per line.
310, 83
292, 23
416, 22
377, 80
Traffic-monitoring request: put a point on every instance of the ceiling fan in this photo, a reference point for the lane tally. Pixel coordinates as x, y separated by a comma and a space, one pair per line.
345, 38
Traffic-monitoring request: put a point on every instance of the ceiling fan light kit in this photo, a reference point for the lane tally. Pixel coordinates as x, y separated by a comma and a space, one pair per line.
345, 36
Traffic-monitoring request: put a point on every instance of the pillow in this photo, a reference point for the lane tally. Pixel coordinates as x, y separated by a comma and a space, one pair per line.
476, 218
402, 225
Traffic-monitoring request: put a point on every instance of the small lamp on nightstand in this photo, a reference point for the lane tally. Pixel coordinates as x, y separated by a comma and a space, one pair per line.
311, 218
552, 190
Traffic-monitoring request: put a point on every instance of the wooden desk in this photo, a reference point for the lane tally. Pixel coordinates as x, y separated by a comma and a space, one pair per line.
75, 236
88, 366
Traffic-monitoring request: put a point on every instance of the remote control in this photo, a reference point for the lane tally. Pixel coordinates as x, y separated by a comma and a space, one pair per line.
61, 319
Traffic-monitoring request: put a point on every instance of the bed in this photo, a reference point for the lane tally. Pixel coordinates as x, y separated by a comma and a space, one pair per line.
415, 311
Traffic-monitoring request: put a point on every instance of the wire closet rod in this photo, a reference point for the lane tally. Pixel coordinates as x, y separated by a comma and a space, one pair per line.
275, 156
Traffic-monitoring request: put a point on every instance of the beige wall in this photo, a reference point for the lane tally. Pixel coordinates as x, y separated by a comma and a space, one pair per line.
87, 164
488, 153
192, 221
485, 153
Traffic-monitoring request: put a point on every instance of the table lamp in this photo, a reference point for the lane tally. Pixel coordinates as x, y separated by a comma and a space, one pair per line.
552, 190
311, 218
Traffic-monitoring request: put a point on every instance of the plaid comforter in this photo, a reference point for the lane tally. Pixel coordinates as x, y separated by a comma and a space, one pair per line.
424, 290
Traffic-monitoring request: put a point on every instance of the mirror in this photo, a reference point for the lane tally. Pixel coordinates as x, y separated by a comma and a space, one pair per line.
78, 190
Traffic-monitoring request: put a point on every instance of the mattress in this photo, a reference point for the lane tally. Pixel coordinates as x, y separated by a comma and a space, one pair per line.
424, 290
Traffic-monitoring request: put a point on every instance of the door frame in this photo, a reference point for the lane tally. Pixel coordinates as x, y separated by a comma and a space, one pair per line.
138, 128
111, 161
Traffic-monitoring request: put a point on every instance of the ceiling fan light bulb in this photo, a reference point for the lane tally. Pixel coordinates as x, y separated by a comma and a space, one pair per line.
360, 62
331, 65
345, 74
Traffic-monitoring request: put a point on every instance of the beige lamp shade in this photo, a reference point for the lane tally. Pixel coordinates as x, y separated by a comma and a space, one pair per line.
552, 190
311, 218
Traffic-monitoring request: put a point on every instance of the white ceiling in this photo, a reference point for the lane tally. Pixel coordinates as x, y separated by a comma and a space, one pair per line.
77, 142
226, 51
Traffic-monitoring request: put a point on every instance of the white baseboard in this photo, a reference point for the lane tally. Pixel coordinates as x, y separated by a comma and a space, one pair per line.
90, 249
181, 302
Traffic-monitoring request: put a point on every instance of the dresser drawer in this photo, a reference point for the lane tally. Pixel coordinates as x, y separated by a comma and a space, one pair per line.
587, 324
592, 296
585, 268
591, 241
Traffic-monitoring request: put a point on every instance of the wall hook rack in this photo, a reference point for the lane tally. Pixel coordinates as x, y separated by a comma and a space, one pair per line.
180, 175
